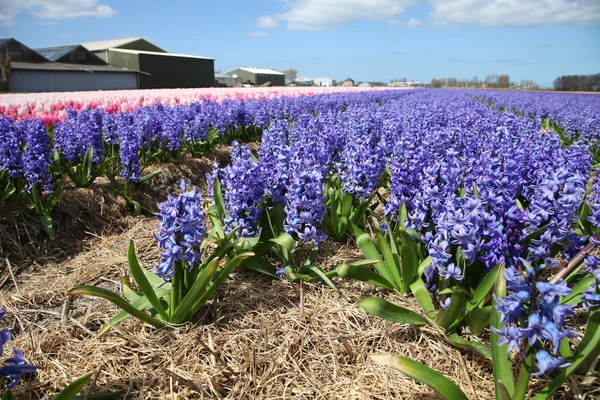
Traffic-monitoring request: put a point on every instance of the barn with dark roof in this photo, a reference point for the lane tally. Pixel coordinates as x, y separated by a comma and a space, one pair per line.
58, 69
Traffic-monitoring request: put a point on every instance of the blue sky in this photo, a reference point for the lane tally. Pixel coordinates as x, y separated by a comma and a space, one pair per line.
372, 40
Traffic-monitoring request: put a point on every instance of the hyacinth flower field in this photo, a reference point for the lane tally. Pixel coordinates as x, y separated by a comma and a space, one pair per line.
294, 244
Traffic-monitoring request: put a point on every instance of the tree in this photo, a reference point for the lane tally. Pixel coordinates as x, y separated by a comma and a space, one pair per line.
503, 81
291, 74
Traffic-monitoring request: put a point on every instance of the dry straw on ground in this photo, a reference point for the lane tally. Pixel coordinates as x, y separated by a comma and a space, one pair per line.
255, 340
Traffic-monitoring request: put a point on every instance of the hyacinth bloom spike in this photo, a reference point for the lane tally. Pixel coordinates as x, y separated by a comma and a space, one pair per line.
181, 231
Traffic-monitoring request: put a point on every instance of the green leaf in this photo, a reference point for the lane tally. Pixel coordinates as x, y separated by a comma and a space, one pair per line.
479, 319
419, 372
260, 264
503, 393
139, 302
285, 240
7, 395
391, 260
464, 344
424, 264
218, 197
402, 216
390, 312
4, 195
364, 263
151, 175
409, 266
325, 278
423, 297
46, 221
75, 387
142, 282
246, 244
360, 274
184, 308
578, 289
221, 276
355, 230
86, 290
367, 246
500, 360
483, 289
448, 319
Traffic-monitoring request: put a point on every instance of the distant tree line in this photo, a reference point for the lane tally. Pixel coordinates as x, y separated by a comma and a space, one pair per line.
582, 83
491, 81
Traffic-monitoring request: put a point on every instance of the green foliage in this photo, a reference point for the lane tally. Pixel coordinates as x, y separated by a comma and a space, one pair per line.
438, 382
163, 304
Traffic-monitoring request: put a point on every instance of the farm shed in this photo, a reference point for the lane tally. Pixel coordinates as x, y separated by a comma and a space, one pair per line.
54, 77
259, 76
224, 80
347, 82
137, 43
78, 69
165, 70
158, 68
325, 82
303, 82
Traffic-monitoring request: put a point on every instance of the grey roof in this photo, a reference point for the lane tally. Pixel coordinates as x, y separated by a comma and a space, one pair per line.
222, 75
156, 53
109, 44
53, 66
71, 54
263, 71
56, 52
19, 52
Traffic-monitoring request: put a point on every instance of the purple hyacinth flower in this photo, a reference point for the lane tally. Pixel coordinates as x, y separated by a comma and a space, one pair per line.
511, 335
15, 369
452, 271
546, 363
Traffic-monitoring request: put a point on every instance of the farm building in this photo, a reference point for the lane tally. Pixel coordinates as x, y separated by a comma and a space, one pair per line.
70, 68
326, 82
302, 82
224, 80
259, 76
158, 68
347, 82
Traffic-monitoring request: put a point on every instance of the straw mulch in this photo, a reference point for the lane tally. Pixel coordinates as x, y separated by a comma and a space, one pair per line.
258, 339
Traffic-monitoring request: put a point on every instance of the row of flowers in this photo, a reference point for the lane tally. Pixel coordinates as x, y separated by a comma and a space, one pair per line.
450, 200
52, 107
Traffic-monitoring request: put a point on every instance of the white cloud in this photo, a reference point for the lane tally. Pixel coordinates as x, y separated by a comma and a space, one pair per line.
411, 23
515, 12
52, 9
317, 15
267, 22
257, 34
414, 23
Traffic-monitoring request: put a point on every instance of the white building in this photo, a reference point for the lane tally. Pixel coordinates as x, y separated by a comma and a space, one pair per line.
324, 82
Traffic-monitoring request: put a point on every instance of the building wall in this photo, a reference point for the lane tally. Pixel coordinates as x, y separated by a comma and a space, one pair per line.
325, 82
276, 80
175, 72
228, 82
67, 81
121, 60
245, 76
